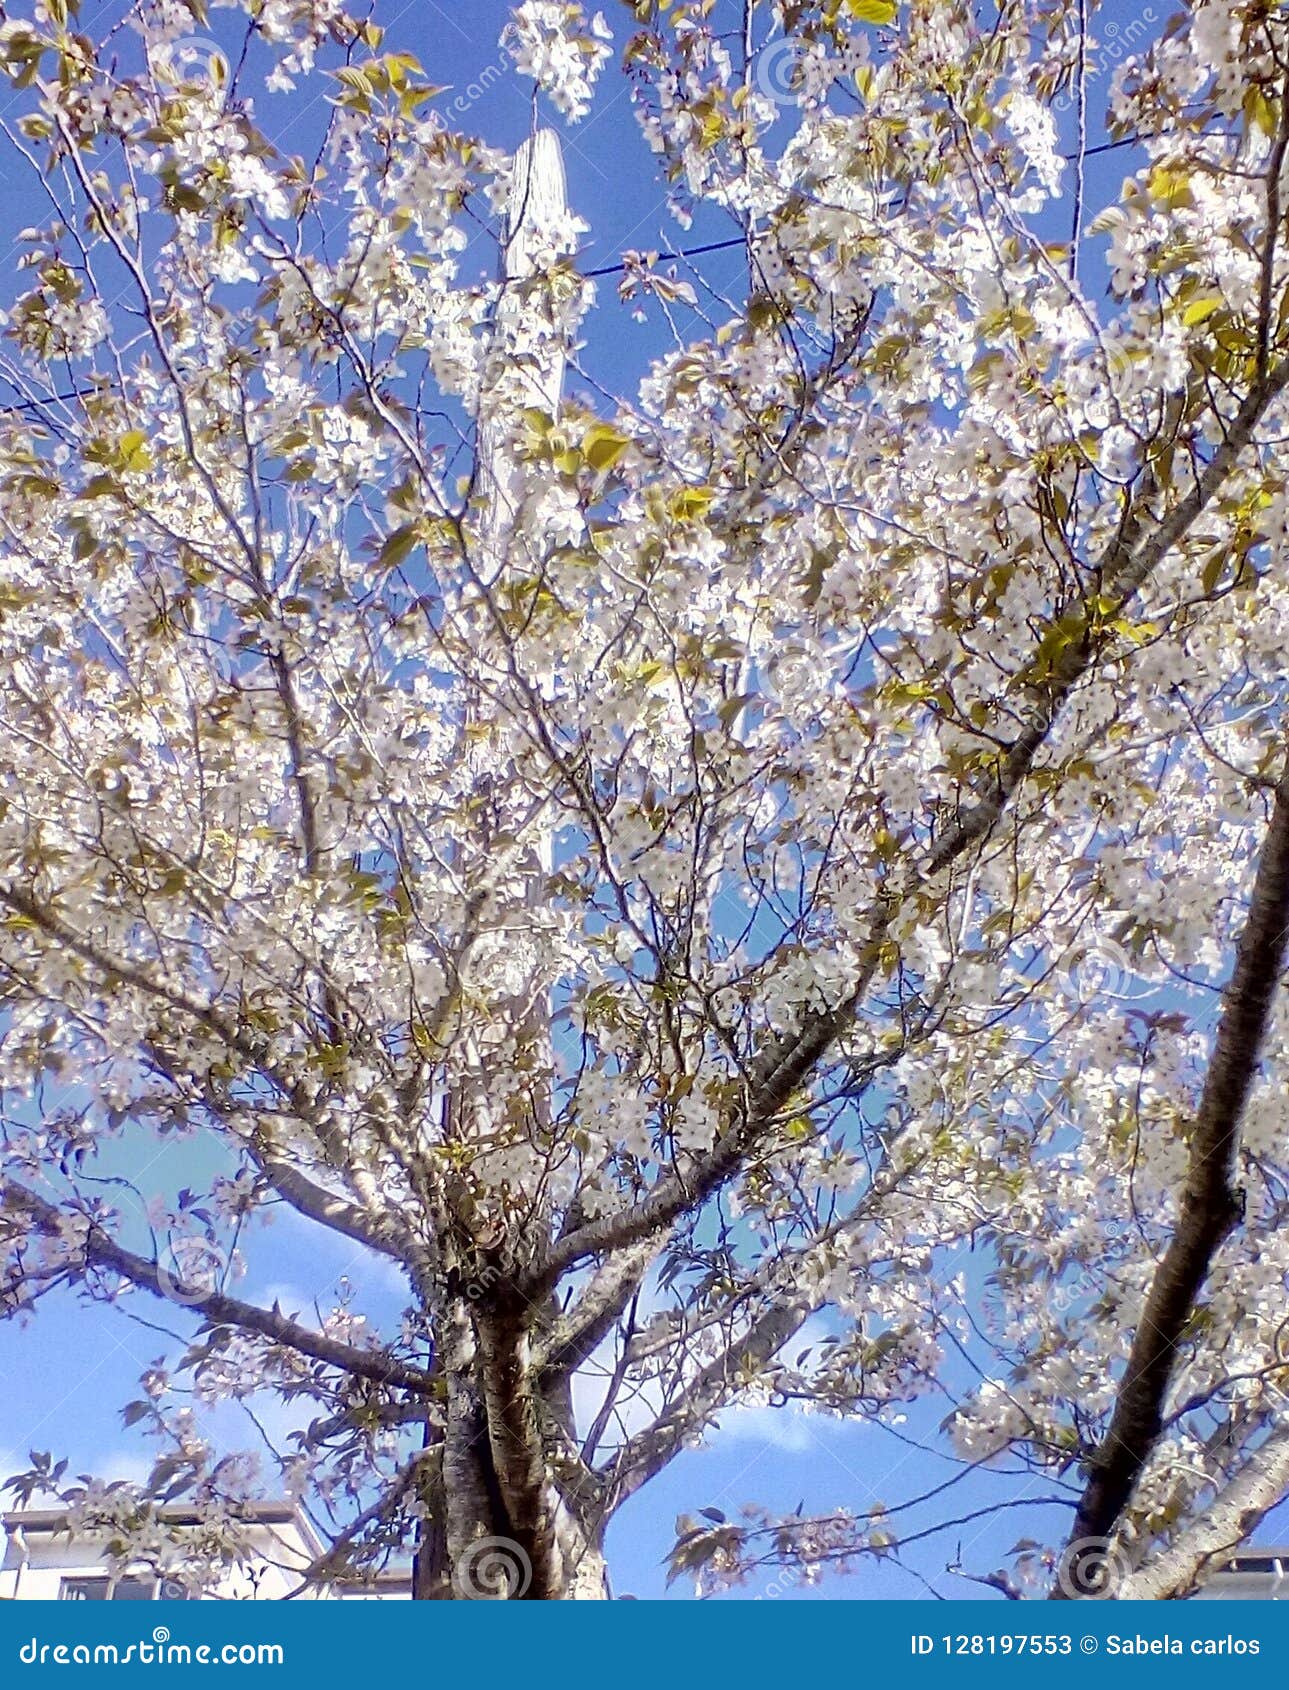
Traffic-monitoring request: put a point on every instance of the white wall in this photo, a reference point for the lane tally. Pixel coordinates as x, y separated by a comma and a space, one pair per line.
279, 1554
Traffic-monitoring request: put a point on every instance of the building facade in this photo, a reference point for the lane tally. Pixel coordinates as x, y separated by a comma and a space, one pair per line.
44, 1562
1254, 1575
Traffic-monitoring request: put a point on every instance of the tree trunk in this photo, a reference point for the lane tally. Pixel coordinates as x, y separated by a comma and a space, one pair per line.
508, 1533
492, 1565
1210, 1207
500, 1528
1202, 1547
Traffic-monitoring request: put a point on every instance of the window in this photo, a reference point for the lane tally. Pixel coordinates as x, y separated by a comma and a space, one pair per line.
83, 1590
108, 1590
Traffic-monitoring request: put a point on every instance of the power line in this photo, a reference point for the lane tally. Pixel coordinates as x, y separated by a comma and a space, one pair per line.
741, 240
663, 257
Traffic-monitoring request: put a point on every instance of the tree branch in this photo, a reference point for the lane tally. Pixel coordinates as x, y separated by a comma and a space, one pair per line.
1129, 560
317, 1204
576, 1334
215, 1307
649, 1451
333, 1560
786, 1310
1223, 1525
1210, 1203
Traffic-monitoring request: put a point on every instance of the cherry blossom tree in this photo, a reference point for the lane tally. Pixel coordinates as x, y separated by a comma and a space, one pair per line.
664, 870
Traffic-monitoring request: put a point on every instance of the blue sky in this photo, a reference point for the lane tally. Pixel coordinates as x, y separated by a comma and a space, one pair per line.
66, 1375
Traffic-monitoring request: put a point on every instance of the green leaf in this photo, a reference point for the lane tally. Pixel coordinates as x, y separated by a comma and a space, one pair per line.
32, 484
1170, 187
873, 11
602, 446
398, 546
133, 453
1260, 109
732, 708
1200, 310
691, 502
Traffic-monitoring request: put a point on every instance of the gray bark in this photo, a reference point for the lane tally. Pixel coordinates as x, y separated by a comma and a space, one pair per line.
1209, 1209
1225, 1523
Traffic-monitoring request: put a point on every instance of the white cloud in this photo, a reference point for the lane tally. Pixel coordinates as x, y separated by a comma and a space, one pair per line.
785, 1429
290, 1299
124, 1464
633, 1411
